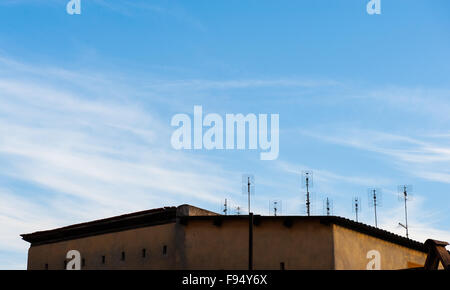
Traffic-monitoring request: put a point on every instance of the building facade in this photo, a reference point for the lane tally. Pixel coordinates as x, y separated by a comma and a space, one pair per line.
190, 238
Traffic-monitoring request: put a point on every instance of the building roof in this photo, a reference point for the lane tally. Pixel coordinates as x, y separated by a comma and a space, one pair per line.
113, 224
185, 213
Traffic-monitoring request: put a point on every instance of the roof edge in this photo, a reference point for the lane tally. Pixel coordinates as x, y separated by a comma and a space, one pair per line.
166, 215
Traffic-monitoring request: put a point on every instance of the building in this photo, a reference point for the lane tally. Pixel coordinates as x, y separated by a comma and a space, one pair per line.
187, 237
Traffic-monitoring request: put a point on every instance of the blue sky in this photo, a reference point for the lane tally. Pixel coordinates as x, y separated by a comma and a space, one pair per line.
86, 103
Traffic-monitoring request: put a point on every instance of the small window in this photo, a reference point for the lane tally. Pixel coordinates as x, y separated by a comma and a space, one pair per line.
165, 250
282, 266
123, 256
46, 266
144, 253
103, 259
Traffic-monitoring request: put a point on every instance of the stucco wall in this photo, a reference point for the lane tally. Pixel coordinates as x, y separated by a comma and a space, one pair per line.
305, 245
111, 246
351, 250
200, 244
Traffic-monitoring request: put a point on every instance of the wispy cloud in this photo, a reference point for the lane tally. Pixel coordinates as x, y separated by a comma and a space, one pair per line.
422, 158
324, 176
95, 156
201, 84
421, 222
426, 102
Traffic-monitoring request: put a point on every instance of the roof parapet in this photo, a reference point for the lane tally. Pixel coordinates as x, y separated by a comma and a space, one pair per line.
189, 210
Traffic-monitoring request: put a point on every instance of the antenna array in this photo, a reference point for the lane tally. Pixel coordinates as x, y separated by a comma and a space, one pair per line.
275, 206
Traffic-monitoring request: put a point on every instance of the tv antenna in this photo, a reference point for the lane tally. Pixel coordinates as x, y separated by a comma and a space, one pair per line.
307, 182
225, 208
275, 207
237, 210
248, 187
327, 206
404, 195
356, 203
374, 197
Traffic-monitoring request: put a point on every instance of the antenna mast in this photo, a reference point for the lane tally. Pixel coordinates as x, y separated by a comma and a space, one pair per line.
248, 187
275, 207
374, 196
248, 190
225, 209
375, 200
356, 206
405, 195
308, 182
327, 206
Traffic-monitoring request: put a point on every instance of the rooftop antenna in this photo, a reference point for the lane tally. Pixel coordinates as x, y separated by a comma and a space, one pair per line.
307, 182
248, 186
404, 195
356, 202
275, 207
327, 206
225, 208
238, 210
374, 197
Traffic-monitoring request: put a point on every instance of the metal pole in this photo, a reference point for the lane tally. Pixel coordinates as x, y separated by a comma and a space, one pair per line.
250, 241
307, 196
375, 207
248, 190
250, 230
328, 207
406, 212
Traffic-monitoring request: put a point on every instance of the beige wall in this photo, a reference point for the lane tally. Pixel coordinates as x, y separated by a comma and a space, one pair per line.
200, 244
305, 245
351, 249
111, 246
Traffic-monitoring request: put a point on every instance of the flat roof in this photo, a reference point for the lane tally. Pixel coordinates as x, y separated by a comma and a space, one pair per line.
186, 213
